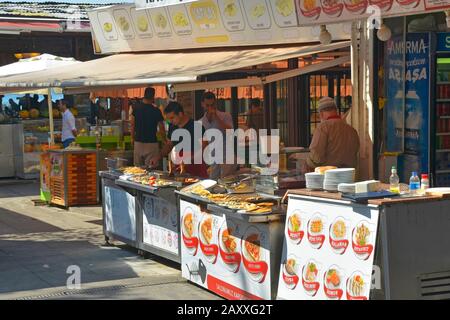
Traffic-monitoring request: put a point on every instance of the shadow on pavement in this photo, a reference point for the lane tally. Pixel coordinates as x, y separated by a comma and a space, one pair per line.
29, 265
12, 222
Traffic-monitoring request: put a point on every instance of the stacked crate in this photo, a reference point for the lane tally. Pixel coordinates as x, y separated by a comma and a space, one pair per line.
78, 185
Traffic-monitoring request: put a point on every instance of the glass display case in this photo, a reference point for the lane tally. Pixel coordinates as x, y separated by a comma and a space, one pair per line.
31, 140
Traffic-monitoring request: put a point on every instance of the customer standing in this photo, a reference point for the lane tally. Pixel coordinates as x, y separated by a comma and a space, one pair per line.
69, 131
145, 120
215, 119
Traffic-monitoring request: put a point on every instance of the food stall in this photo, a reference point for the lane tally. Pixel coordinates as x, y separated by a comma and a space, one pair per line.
140, 209
388, 248
231, 243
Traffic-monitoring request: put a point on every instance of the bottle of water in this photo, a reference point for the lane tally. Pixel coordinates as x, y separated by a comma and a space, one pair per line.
414, 184
394, 181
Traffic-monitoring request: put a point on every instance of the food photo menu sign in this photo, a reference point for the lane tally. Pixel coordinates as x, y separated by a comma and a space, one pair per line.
226, 256
328, 251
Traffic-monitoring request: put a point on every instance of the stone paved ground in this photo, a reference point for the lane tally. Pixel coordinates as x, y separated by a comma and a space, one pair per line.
39, 243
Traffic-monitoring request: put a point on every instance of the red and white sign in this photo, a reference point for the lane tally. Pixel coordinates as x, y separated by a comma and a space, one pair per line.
336, 260
233, 259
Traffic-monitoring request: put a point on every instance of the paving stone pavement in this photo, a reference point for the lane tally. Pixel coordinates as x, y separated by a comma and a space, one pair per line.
39, 243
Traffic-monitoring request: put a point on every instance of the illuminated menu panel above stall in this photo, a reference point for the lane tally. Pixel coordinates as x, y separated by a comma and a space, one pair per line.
149, 4
236, 23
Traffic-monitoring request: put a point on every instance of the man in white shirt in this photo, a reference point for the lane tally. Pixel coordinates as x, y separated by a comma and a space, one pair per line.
69, 131
215, 119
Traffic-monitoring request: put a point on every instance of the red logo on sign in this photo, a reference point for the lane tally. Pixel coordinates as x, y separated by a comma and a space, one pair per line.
191, 243
333, 293
384, 5
335, 10
314, 13
290, 280
339, 245
209, 250
363, 250
409, 3
296, 236
256, 267
311, 286
350, 297
316, 240
359, 7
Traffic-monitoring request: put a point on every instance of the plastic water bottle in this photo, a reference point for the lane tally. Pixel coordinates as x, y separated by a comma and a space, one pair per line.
414, 184
424, 183
394, 181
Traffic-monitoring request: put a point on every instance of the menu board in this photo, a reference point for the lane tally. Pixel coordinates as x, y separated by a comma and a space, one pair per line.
200, 24
332, 11
160, 221
329, 250
226, 256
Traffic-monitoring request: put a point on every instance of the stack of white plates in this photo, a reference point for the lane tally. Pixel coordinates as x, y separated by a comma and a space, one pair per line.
314, 180
336, 176
347, 187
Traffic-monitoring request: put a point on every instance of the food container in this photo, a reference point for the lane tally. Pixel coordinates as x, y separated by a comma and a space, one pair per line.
114, 164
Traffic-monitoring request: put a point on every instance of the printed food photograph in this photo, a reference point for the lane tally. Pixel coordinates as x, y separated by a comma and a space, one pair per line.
188, 224
142, 23
333, 279
291, 266
362, 235
310, 272
206, 230
309, 5
316, 225
285, 7
160, 21
356, 285
108, 26
124, 24
229, 242
252, 247
230, 9
338, 230
180, 19
258, 10
295, 223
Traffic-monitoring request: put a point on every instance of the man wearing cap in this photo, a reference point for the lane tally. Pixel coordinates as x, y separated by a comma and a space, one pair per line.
335, 143
145, 120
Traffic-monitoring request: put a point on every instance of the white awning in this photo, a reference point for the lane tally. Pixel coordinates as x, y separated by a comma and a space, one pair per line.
156, 68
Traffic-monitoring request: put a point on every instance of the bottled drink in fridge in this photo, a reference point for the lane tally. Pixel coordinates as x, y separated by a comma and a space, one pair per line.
394, 181
414, 184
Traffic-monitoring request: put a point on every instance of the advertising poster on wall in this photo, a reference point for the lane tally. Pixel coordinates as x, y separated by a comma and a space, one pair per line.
329, 251
394, 75
417, 97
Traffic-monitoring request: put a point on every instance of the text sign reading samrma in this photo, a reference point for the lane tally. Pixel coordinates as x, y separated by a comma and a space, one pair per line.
148, 4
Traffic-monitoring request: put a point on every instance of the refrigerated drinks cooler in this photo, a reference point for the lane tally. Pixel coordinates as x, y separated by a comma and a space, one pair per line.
417, 81
441, 154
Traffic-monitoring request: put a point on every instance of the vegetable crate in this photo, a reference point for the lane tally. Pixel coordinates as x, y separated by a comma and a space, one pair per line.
77, 183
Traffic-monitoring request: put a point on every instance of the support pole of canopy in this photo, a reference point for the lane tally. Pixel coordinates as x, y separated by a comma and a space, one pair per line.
50, 116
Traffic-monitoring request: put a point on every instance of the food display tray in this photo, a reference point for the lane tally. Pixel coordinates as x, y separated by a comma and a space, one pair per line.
141, 187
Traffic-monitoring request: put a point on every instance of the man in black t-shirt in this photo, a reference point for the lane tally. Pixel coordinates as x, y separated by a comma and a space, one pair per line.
180, 121
145, 120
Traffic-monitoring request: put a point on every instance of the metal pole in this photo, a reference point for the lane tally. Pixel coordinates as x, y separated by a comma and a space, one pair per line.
50, 116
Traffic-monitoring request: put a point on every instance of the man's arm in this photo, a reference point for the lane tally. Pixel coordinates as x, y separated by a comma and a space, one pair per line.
132, 123
72, 126
162, 130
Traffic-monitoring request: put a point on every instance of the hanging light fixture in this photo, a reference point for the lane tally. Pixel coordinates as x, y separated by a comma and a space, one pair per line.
384, 33
325, 36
